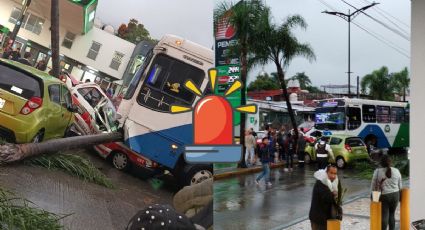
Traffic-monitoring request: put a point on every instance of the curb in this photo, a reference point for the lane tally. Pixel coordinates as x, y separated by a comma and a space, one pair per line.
245, 171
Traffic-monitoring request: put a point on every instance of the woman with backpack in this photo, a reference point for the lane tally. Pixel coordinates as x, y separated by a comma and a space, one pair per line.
387, 180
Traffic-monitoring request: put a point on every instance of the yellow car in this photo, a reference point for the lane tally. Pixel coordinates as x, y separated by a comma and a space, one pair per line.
34, 106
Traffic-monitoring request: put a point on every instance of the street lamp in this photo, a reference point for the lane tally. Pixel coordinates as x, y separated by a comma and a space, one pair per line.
25, 4
349, 17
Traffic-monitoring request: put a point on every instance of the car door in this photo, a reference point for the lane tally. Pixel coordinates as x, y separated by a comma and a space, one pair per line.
66, 102
54, 113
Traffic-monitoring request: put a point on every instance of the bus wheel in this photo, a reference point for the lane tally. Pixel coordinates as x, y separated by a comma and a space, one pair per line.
340, 162
195, 174
120, 161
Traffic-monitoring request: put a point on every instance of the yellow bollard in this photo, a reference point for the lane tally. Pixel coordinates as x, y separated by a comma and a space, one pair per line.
404, 209
334, 225
375, 216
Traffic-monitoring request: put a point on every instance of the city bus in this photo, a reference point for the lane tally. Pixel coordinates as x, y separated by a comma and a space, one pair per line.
381, 124
149, 128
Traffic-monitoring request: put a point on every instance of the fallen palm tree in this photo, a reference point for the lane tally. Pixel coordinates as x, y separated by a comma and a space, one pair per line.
10, 153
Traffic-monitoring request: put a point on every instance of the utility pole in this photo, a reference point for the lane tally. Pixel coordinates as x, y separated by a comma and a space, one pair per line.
25, 5
349, 17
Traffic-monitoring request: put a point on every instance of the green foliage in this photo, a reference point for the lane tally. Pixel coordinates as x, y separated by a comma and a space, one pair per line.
263, 82
18, 213
134, 32
381, 85
365, 169
71, 164
341, 194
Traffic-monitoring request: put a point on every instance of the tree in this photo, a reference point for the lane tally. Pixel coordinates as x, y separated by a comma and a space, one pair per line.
303, 79
378, 85
244, 17
55, 37
400, 82
263, 82
134, 32
278, 44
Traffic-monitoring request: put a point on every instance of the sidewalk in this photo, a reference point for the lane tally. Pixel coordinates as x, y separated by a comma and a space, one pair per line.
227, 172
356, 217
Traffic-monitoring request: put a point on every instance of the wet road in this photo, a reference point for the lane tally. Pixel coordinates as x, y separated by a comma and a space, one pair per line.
240, 204
92, 206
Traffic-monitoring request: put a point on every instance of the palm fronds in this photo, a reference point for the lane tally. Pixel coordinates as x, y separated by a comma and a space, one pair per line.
71, 164
19, 213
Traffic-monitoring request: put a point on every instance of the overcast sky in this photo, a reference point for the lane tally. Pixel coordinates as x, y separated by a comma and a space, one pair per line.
191, 19
327, 34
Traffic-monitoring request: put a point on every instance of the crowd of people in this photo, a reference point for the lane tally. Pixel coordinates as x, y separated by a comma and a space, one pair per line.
15, 54
283, 144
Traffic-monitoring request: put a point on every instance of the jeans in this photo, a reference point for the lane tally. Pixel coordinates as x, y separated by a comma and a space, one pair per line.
249, 155
389, 205
265, 173
289, 159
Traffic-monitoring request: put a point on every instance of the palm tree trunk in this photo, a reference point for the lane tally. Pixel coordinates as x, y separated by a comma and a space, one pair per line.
281, 76
16, 152
55, 37
244, 65
404, 94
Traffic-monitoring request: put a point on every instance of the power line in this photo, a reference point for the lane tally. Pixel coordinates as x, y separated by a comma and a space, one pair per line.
382, 40
327, 5
405, 24
391, 21
382, 23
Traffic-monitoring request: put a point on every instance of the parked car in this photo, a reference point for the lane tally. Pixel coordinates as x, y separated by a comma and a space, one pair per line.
34, 106
346, 149
96, 114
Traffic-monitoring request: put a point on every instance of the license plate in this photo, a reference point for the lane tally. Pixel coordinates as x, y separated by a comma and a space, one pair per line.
2, 102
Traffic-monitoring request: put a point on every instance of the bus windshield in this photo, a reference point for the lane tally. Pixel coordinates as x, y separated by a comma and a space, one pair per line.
137, 77
331, 118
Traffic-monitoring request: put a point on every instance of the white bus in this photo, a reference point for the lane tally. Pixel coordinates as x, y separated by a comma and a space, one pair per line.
381, 124
149, 127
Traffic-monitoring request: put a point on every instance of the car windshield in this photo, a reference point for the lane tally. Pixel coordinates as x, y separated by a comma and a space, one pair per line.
19, 83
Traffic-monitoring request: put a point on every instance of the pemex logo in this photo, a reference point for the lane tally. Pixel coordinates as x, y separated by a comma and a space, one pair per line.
224, 30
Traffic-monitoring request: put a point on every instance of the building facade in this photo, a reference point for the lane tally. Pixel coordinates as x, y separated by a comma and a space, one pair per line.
87, 52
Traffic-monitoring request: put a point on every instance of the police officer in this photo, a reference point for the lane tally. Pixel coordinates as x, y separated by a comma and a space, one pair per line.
323, 153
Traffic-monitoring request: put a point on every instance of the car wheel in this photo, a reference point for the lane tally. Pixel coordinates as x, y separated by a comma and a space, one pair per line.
38, 137
307, 158
340, 162
120, 161
195, 174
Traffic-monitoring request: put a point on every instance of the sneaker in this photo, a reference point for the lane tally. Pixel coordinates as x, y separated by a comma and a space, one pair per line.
256, 182
285, 169
269, 184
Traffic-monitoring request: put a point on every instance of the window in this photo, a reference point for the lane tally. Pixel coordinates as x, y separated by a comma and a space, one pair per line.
165, 83
14, 17
66, 99
335, 141
383, 114
116, 60
94, 50
54, 94
21, 84
354, 142
369, 113
68, 40
91, 95
353, 115
406, 115
30, 22
397, 115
